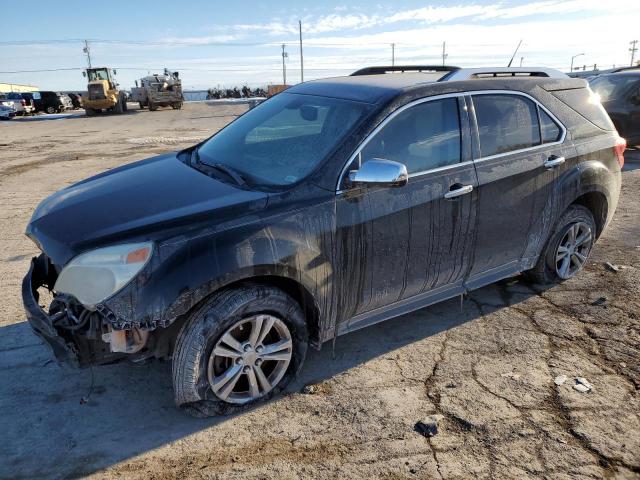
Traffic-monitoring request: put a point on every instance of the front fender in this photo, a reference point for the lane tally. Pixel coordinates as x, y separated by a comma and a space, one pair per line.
181, 274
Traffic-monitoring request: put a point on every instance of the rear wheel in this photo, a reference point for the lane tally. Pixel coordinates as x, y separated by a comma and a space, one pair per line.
176, 106
90, 112
140, 105
241, 347
568, 247
152, 106
51, 109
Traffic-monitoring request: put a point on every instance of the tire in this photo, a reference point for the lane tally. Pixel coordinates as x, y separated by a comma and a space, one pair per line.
89, 112
194, 362
125, 107
140, 105
51, 110
176, 106
118, 107
548, 269
152, 106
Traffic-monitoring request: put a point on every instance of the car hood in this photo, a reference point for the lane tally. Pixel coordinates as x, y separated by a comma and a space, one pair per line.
145, 200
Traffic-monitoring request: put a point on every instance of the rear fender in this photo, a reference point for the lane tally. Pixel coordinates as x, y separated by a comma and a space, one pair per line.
592, 176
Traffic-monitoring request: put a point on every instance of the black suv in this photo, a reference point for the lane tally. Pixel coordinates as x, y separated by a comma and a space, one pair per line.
331, 206
620, 96
50, 102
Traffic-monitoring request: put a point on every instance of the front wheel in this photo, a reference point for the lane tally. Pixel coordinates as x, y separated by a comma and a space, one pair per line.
568, 247
241, 347
51, 109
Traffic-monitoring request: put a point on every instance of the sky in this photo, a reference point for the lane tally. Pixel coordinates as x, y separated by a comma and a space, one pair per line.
226, 44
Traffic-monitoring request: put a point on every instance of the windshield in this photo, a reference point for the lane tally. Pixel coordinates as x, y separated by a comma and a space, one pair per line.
283, 140
611, 86
98, 75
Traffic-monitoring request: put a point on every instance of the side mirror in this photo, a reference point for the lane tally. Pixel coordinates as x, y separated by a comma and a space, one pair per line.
380, 172
115, 72
84, 74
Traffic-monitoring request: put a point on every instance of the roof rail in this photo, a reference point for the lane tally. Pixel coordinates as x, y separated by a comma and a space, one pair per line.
492, 72
404, 68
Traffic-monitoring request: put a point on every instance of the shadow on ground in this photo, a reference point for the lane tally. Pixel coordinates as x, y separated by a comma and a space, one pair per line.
58, 421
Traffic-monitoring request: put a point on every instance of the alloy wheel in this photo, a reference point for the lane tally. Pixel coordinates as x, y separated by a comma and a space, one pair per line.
250, 358
573, 250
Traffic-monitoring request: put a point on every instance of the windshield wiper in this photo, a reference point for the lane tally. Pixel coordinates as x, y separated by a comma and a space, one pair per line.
229, 171
221, 167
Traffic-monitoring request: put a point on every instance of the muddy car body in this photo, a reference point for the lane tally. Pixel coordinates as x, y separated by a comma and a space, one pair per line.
233, 276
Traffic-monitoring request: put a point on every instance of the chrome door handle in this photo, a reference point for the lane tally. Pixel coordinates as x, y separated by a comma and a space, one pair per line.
463, 190
553, 161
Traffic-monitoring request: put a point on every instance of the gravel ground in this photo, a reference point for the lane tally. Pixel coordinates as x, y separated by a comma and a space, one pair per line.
487, 365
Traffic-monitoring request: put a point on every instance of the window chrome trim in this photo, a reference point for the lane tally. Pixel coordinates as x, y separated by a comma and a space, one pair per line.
419, 101
522, 150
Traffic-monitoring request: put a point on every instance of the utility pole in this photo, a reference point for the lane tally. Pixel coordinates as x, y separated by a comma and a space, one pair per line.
393, 54
301, 58
87, 51
444, 52
284, 67
633, 50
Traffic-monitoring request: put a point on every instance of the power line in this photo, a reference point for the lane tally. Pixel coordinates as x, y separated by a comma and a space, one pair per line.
44, 70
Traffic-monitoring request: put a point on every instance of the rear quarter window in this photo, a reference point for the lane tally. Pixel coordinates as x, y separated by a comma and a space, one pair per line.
584, 102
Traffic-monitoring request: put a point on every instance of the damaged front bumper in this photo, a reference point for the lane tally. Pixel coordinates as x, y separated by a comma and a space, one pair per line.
42, 323
76, 335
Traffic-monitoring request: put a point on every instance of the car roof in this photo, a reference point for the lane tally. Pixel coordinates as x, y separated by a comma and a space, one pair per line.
366, 88
634, 73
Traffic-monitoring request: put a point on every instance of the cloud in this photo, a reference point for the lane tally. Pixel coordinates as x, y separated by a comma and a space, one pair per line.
343, 19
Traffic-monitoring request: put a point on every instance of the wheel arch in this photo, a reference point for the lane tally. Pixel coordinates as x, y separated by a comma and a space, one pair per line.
596, 202
295, 290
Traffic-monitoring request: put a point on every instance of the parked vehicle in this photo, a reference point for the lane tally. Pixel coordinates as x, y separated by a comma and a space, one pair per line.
76, 100
332, 206
49, 102
158, 91
15, 100
7, 112
620, 96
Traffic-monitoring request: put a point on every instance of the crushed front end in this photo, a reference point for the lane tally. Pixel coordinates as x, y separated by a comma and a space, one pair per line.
76, 334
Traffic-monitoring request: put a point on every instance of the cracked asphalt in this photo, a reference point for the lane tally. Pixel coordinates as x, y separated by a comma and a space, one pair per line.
487, 364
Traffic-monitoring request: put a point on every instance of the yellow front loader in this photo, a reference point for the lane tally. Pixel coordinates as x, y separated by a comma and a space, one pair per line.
103, 92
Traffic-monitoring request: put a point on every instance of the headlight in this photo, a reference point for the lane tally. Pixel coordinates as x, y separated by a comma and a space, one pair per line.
94, 276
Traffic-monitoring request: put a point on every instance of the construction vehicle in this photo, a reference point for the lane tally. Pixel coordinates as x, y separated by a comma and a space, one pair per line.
159, 90
103, 92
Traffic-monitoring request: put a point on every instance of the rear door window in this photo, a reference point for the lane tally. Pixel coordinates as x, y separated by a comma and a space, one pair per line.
423, 137
506, 123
